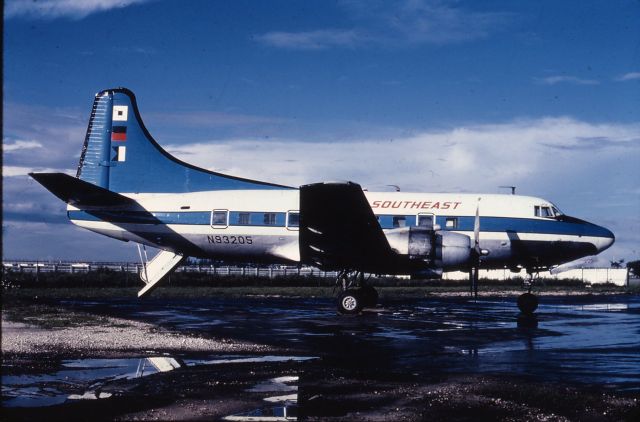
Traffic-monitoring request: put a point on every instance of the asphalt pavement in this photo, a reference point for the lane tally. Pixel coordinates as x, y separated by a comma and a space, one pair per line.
359, 367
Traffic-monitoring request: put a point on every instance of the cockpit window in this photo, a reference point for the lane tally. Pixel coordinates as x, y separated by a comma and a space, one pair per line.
544, 211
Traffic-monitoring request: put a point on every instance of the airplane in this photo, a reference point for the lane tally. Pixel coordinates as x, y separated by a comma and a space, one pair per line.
129, 188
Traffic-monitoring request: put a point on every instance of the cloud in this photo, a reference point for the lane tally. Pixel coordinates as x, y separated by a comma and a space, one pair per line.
37, 136
312, 40
442, 22
19, 145
24, 199
72, 9
382, 23
631, 76
594, 143
145, 51
478, 157
32, 240
558, 79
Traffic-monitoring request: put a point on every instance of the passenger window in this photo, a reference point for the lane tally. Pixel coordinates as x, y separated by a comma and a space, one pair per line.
244, 218
293, 219
425, 220
269, 218
399, 221
451, 223
219, 218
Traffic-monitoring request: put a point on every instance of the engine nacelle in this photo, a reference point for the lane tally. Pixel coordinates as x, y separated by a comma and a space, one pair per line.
438, 249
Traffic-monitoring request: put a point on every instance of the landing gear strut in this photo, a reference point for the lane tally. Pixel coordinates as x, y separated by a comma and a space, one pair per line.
528, 302
355, 293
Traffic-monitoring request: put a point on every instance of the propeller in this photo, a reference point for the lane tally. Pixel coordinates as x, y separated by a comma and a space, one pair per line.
476, 254
476, 231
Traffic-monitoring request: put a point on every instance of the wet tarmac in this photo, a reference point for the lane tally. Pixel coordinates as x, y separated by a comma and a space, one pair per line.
589, 343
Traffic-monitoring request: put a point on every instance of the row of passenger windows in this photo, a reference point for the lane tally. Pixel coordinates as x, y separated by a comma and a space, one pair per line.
291, 219
223, 218
420, 220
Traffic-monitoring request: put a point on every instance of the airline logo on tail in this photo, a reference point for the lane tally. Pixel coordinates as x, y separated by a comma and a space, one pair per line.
120, 113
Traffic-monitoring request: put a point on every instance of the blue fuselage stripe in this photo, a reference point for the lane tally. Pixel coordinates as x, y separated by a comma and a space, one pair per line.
187, 218
463, 223
505, 224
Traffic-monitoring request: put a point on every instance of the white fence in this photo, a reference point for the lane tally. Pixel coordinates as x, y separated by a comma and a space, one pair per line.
130, 267
617, 276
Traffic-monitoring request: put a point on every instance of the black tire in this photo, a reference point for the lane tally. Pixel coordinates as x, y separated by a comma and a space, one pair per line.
528, 303
350, 302
369, 296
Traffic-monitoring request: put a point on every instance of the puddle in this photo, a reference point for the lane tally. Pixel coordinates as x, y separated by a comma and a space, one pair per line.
83, 379
253, 359
287, 411
77, 380
279, 384
280, 413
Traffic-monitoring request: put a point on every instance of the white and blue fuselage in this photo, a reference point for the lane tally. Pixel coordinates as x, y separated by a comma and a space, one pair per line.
263, 225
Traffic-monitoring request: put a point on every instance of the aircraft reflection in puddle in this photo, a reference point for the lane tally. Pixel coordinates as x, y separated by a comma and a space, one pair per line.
84, 379
288, 411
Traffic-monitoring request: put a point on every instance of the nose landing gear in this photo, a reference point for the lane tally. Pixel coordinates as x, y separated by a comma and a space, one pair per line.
528, 302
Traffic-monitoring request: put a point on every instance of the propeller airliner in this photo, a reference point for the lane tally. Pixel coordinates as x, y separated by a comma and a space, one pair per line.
127, 187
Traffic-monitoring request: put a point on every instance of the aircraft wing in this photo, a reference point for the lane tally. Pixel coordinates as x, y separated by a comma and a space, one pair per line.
78, 192
338, 229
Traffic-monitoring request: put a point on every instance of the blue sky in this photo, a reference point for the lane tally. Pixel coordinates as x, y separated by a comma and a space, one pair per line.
428, 95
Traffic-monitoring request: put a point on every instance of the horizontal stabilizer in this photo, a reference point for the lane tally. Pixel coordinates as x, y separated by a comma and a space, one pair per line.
78, 192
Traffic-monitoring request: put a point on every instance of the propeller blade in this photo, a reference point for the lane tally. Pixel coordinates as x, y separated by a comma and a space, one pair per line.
476, 230
475, 267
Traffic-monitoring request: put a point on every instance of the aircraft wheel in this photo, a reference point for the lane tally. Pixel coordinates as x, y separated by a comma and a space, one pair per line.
369, 296
528, 303
350, 302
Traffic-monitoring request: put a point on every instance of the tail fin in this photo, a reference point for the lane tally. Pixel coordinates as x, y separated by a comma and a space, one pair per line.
119, 154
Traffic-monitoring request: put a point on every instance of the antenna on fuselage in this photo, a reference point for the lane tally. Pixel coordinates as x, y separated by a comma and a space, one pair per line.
513, 189
396, 187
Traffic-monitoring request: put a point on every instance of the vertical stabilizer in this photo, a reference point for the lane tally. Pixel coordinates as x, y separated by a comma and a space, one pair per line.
119, 154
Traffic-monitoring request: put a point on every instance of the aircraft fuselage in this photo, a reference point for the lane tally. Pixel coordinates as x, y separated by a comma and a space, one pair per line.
262, 225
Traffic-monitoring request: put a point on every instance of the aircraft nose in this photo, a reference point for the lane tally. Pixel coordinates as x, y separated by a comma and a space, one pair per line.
605, 240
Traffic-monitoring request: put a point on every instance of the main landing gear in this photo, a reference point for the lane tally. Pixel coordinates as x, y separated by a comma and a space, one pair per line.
355, 293
528, 302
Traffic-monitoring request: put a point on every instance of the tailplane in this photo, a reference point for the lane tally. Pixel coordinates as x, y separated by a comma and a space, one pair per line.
120, 155
80, 193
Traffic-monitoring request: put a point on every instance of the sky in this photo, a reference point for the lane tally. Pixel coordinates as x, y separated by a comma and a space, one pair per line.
432, 96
